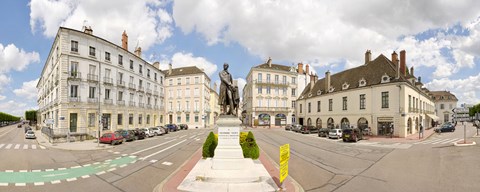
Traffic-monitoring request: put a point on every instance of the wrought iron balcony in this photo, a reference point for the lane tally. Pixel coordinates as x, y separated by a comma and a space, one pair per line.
120, 83
74, 99
131, 86
131, 103
108, 101
92, 100
108, 80
122, 103
92, 77
74, 75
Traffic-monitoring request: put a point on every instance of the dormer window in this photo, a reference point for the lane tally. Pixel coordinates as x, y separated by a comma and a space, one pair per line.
331, 89
319, 92
310, 95
385, 78
345, 86
362, 82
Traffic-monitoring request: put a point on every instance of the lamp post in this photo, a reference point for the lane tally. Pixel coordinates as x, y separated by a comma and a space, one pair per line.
100, 119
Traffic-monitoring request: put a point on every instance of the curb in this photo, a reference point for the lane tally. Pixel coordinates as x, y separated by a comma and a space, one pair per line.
49, 145
297, 186
464, 144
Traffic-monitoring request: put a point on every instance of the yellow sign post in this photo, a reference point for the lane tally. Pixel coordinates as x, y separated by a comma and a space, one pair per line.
284, 157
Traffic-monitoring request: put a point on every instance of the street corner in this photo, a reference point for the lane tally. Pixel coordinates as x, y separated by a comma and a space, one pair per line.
464, 143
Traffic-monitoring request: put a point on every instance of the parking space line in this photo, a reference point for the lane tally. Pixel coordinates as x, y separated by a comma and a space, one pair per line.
71, 179
34, 146
85, 176
143, 158
431, 141
152, 147
3, 184
8, 146
55, 182
17, 146
448, 141
189, 137
20, 184
1, 145
25, 146
38, 183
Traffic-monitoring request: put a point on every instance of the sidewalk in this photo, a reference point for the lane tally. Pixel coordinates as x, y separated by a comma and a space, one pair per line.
74, 146
409, 139
173, 181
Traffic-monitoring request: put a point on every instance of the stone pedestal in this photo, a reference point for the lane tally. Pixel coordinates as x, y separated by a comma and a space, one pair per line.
228, 170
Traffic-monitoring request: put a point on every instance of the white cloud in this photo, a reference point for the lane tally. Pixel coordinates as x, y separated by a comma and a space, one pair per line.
16, 108
13, 58
467, 90
2, 97
146, 21
28, 90
4, 81
187, 59
241, 82
326, 32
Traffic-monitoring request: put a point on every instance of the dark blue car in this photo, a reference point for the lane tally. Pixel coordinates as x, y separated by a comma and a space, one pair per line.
171, 127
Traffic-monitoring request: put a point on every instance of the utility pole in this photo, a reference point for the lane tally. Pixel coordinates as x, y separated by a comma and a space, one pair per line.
100, 123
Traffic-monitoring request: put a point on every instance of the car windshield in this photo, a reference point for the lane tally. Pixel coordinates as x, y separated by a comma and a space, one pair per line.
30, 132
347, 130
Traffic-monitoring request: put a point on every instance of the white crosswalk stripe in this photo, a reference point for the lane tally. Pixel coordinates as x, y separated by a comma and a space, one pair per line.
438, 141
20, 146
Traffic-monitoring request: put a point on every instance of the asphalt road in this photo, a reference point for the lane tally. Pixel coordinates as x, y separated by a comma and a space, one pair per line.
320, 164
132, 166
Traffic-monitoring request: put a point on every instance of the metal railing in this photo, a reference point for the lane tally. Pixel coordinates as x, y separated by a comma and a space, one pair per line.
122, 102
270, 82
155, 93
120, 83
74, 99
131, 103
92, 77
92, 100
131, 86
107, 80
141, 105
108, 101
149, 91
284, 109
74, 75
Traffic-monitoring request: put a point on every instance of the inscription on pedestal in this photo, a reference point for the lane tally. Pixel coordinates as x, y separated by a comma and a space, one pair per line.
228, 136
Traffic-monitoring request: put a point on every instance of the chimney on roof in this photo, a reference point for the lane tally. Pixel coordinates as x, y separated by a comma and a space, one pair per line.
170, 68
269, 62
368, 56
403, 63
125, 40
307, 69
419, 79
88, 30
300, 68
138, 51
411, 71
327, 81
156, 64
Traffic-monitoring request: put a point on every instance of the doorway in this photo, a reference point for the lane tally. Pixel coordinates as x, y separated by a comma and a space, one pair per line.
73, 122
106, 120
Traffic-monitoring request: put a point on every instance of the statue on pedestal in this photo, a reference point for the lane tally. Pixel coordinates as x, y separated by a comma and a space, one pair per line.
228, 92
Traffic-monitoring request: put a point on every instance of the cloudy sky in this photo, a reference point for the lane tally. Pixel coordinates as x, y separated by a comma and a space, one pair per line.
441, 38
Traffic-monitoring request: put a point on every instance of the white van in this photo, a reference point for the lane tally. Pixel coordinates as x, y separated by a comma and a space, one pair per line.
335, 133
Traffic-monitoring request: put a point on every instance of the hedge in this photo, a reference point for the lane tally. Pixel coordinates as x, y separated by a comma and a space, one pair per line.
247, 142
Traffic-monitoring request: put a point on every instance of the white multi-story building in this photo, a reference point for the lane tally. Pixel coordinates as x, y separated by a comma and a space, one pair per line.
270, 94
381, 94
86, 78
214, 106
445, 102
188, 96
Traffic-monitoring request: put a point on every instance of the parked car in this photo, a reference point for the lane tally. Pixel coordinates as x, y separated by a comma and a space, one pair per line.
148, 132
323, 132
335, 133
128, 135
111, 138
288, 127
19, 125
296, 127
308, 129
354, 134
27, 128
30, 135
183, 126
445, 127
165, 130
156, 131
171, 127
139, 134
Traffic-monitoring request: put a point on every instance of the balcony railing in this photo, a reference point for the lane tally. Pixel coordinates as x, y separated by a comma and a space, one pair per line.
141, 105
270, 82
108, 80
149, 91
155, 93
131, 103
120, 83
92, 100
155, 106
272, 109
122, 103
131, 86
108, 101
149, 106
74, 99
74, 75
140, 88
92, 77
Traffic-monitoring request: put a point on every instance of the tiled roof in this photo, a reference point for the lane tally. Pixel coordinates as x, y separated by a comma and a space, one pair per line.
274, 66
443, 96
184, 71
372, 73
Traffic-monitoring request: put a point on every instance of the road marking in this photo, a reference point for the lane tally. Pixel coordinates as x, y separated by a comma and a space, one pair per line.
86, 176
86, 165
71, 179
112, 169
101, 172
153, 161
4, 184
192, 136
74, 167
182, 136
20, 184
448, 141
36, 170
38, 183
48, 169
42, 147
55, 182
143, 158
9, 171
61, 168
167, 163
426, 142
96, 163
23, 171
116, 152
8, 146
152, 147
123, 155
1, 145
458, 140
34, 146
54, 175
25, 146
17, 146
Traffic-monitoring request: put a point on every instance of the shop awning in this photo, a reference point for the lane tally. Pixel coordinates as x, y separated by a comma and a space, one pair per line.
434, 117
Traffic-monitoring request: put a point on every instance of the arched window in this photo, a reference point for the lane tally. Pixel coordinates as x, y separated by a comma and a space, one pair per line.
330, 123
345, 123
319, 123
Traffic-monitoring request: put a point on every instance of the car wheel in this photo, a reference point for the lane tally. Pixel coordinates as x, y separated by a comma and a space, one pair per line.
113, 142
344, 140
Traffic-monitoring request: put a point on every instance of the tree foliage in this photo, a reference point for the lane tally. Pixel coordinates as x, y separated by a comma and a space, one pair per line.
31, 115
473, 110
8, 117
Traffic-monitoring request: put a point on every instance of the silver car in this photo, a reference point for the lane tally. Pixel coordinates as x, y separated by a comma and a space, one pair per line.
335, 133
30, 135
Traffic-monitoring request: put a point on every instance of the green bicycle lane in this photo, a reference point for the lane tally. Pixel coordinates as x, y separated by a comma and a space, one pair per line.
50, 175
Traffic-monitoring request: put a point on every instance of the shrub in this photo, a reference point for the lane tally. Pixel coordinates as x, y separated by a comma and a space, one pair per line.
209, 146
243, 136
250, 148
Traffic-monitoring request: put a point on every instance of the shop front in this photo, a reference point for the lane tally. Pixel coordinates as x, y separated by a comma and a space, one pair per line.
384, 126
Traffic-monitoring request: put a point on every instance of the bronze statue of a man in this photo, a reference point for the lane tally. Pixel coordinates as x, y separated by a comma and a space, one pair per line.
225, 97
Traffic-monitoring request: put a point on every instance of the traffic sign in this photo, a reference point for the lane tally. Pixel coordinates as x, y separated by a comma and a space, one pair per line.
49, 121
283, 171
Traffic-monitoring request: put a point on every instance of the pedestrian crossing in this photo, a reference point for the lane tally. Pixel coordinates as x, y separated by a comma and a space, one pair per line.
439, 141
10, 146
